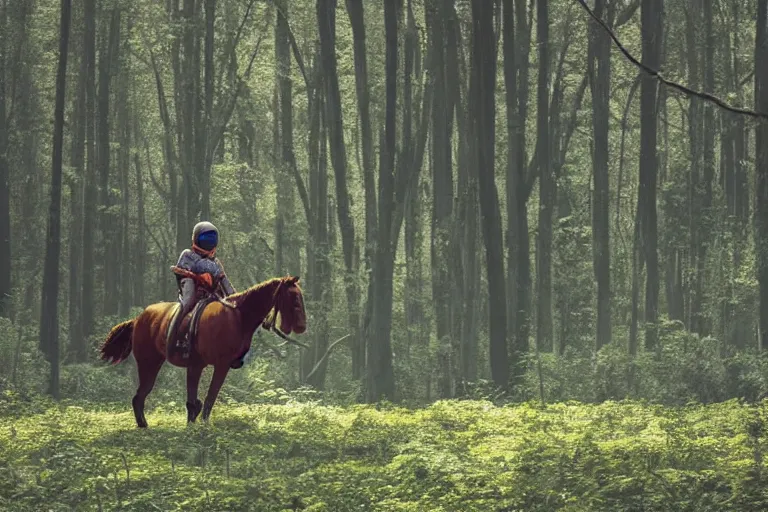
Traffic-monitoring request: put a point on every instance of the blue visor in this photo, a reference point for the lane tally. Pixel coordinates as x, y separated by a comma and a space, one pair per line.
208, 240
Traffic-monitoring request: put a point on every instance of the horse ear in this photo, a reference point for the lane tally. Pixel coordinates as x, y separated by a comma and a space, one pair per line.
295, 279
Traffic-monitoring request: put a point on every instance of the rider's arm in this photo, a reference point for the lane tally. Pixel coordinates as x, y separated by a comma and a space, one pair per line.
228, 288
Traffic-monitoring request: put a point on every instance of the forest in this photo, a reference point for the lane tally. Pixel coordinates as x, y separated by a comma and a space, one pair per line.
531, 235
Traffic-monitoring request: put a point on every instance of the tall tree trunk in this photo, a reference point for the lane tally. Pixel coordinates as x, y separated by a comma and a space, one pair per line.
651, 12
318, 251
123, 125
356, 18
708, 143
761, 167
27, 109
381, 377
90, 195
547, 184
414, 315
513, 182
326, 19
482, 88
49, 324
600, 75
738, 203
141, 222
77, 156
442, 188
695, 135
205, 146
5, 196
466, 267
187, 72
107, 221
287, 164
517, 44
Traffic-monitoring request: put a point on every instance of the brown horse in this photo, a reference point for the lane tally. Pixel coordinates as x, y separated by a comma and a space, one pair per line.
224, 334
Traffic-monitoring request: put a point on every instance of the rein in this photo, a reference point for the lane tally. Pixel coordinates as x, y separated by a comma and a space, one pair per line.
287, 338
270, 324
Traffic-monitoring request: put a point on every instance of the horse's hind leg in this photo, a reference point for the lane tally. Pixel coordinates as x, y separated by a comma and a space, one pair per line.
194, 405
148, 370
219, 374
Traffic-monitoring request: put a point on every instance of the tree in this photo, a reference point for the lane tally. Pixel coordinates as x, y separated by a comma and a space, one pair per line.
547, 186
326, 22
483, 112
286, 250
517, 38
107, 219
600, 77
761, 167
357, 20
442, 187
49, 323
381, 377
651, 15
5, 197
90, 193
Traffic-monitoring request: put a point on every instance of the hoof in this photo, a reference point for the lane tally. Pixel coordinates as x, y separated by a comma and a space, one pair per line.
193, 410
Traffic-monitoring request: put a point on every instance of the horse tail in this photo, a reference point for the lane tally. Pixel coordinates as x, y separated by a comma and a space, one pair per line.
117, 346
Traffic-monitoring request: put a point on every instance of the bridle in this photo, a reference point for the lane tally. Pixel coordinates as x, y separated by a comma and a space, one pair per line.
270, 322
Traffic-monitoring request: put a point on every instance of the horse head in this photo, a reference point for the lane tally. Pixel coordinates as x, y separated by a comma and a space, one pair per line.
289, 303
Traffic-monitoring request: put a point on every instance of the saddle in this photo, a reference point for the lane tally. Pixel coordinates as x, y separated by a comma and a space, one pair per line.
187, 331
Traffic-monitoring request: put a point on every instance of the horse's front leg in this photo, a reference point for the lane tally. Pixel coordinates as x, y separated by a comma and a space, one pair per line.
219, 374
194, 405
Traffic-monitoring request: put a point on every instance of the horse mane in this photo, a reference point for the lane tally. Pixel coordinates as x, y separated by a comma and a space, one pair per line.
239, 297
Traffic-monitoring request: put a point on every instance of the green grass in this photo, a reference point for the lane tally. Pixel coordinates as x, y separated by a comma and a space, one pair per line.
462, 456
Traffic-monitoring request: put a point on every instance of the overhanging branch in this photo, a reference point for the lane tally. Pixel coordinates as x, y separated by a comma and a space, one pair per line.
658, 76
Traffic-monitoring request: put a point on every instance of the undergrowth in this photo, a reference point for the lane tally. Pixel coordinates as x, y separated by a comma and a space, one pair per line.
450, 456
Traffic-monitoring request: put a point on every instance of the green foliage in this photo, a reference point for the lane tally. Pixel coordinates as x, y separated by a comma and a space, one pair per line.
468, 455
688, 369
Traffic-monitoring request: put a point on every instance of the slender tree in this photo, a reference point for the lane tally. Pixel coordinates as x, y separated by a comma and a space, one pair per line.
651, 31
49, 324
5, 198
357, 20
442, 187
107, 221
381, 377
517, 42
326, 21
547, 184
600, 77
77, 162
90, 193
483, 112
761, 167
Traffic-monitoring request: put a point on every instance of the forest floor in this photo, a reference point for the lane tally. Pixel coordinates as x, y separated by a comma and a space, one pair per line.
450, 456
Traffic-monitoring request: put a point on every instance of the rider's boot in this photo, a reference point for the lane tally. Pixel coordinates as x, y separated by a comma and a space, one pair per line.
185, 302
170, 340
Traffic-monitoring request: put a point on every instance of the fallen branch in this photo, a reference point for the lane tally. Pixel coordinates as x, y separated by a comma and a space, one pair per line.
658, 76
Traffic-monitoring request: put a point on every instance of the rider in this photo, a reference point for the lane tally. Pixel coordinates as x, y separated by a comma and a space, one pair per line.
199, 259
